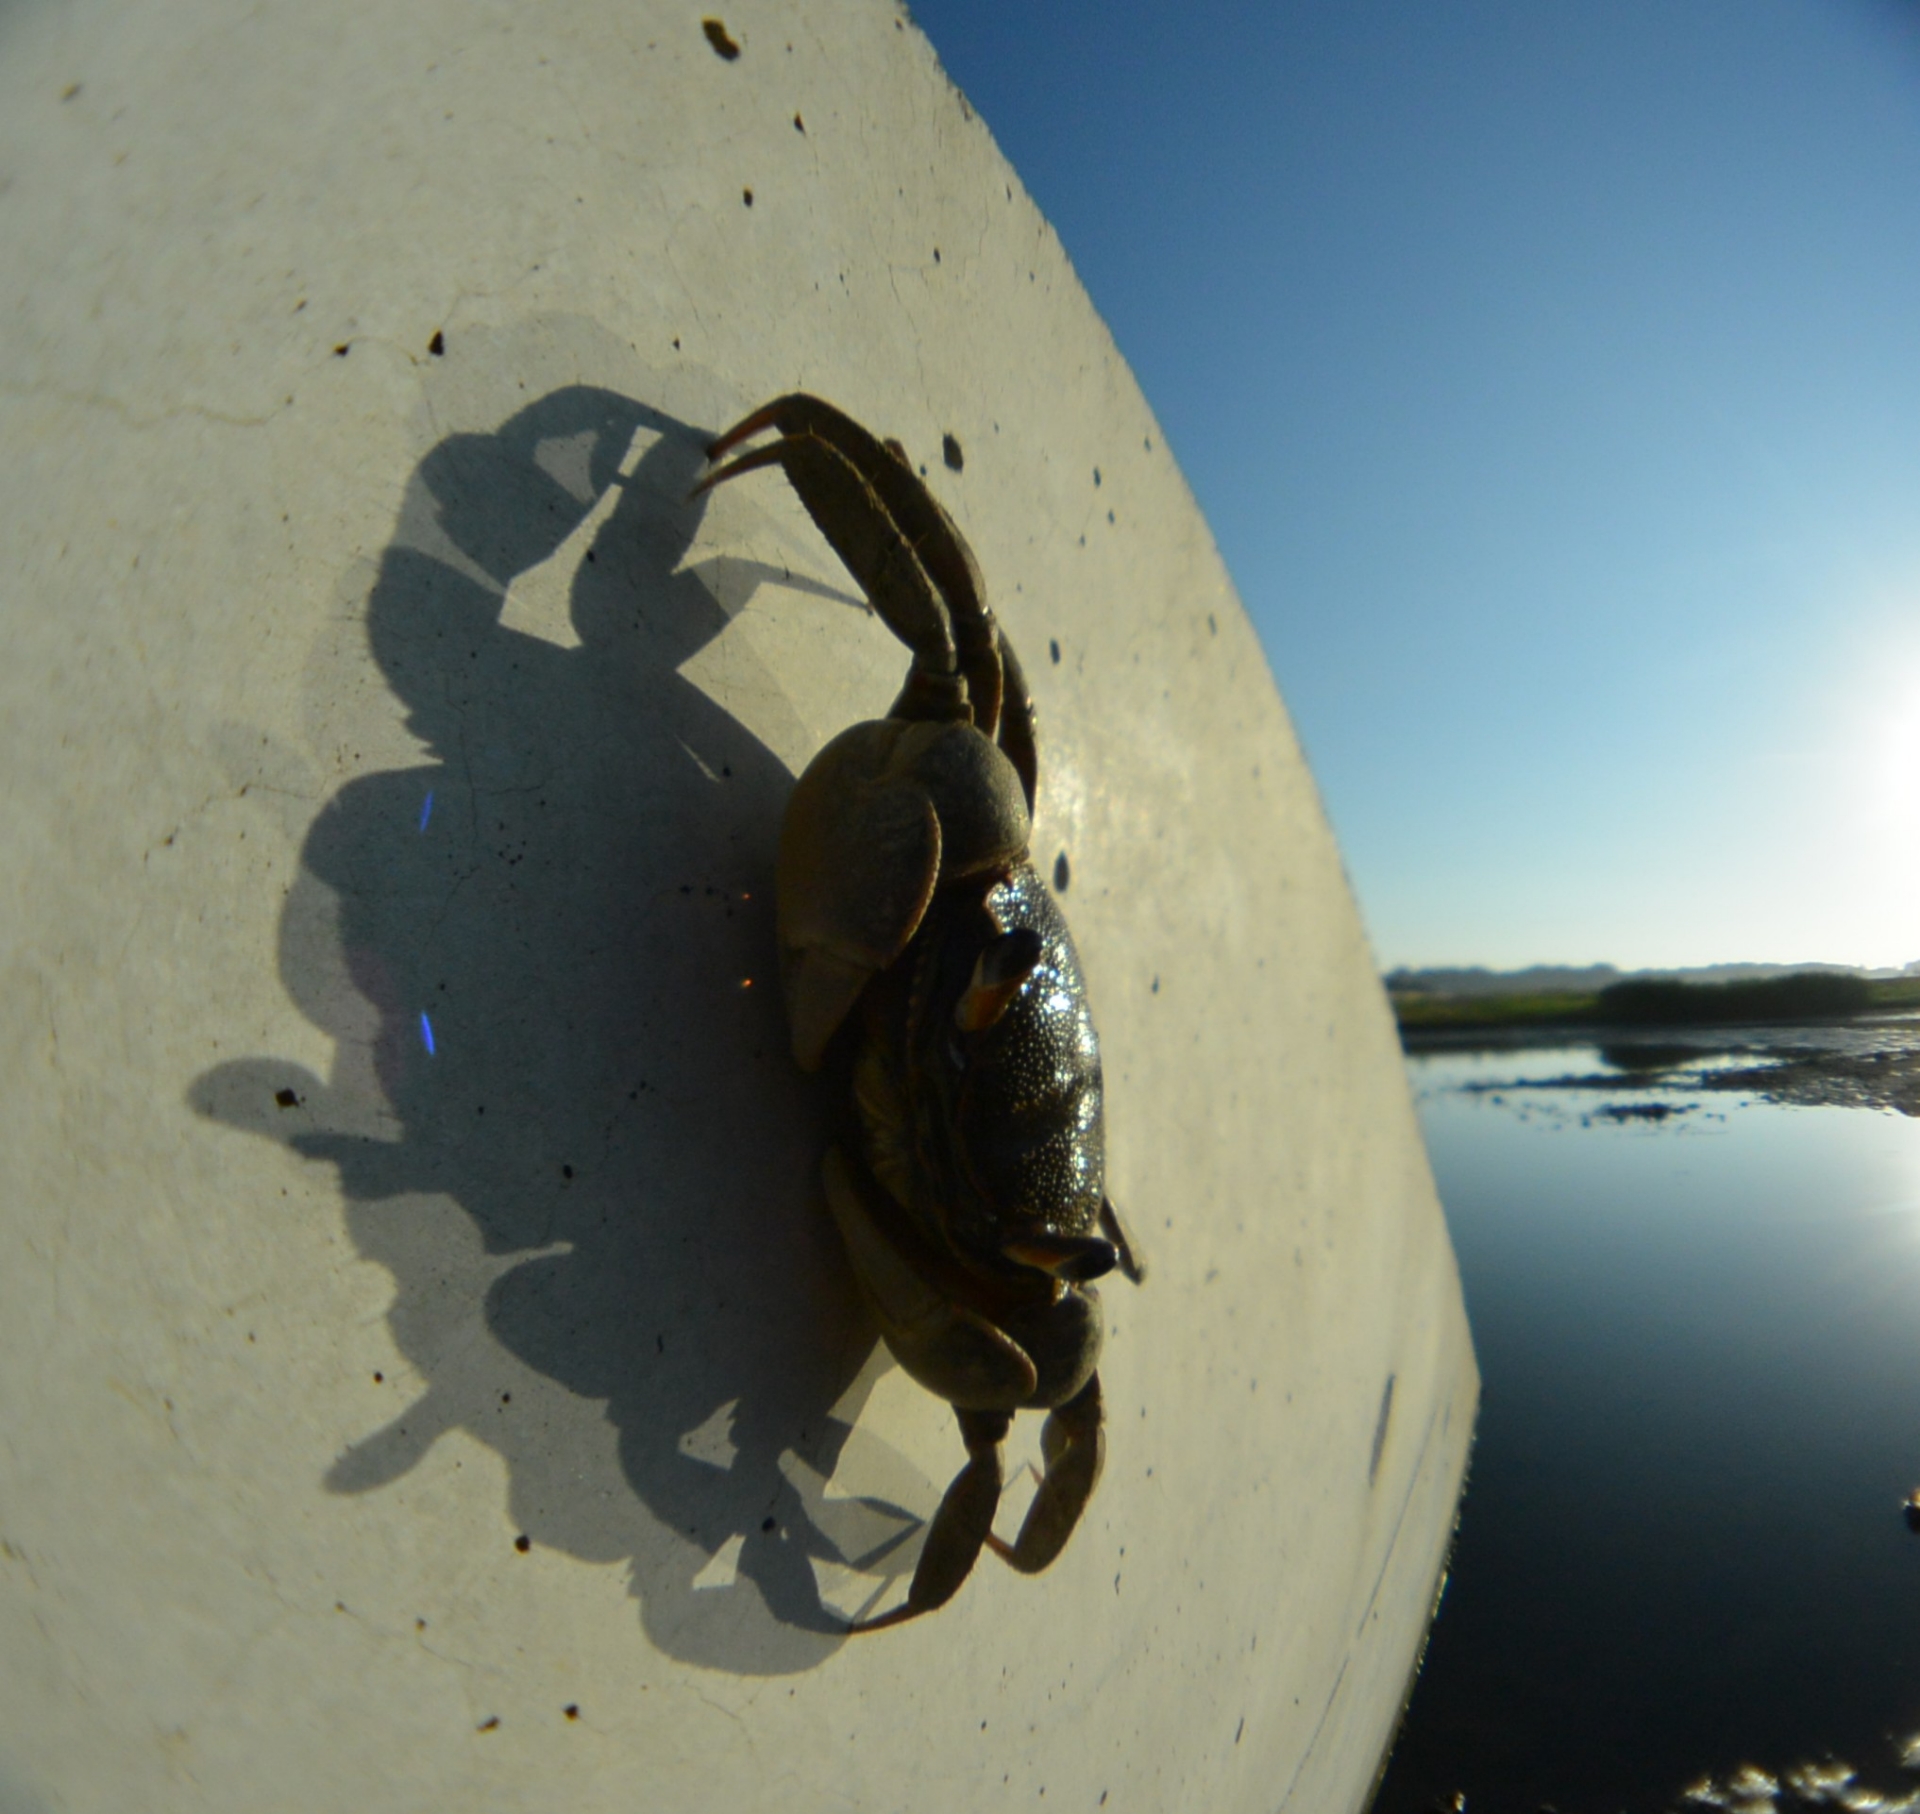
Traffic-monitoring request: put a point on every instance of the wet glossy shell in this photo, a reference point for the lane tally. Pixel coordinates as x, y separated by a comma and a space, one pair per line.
997, 1134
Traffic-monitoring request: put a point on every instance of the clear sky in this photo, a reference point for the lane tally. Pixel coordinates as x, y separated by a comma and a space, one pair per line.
1550, 376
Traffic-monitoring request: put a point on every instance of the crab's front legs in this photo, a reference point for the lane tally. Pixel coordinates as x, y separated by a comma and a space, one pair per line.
962, 1525
1074, 1444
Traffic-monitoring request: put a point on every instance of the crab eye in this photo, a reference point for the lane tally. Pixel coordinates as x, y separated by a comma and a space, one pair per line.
999, 974
1079, 1259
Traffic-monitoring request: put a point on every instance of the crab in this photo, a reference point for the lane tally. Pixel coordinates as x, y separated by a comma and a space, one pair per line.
926, 965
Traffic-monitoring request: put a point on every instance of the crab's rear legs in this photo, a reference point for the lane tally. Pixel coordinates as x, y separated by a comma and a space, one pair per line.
839, 482
962, 1525
909, 558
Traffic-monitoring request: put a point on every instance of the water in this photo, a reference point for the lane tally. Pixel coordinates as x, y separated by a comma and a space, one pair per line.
1681, 1550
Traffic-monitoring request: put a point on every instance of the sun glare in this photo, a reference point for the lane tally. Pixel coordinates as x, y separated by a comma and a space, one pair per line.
1892, 768
1861, 815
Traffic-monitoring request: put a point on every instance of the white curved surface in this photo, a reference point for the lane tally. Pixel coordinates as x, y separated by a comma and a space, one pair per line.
351, 681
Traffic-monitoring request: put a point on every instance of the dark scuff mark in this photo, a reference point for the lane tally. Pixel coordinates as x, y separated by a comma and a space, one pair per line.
1380, 1429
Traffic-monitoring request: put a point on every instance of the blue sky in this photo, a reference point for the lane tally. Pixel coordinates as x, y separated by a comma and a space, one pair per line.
1550, 377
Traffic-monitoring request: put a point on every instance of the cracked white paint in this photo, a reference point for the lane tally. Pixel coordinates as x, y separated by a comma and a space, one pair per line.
304, 1329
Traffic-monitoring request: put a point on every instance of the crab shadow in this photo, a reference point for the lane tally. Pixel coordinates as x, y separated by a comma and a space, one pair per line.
561, 1111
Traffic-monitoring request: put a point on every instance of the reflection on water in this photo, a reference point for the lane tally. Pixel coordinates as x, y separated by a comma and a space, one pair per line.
1751, 1790
1683, 1579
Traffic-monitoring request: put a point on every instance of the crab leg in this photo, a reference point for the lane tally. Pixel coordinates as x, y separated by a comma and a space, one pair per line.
852, 517
1017, 734
905, 551
962, 1525
1074, 1444
1132, 1265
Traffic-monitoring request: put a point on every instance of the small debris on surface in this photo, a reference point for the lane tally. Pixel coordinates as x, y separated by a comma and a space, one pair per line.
287, 1099
71, 89
721, 39
341, 351
799, 125
491, 1724
523, 1543
746, 195
950, 451
1062, 873
571, 1710
437, 346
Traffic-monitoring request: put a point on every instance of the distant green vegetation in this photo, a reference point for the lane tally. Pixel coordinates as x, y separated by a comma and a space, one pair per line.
1416, 1008
1802, 995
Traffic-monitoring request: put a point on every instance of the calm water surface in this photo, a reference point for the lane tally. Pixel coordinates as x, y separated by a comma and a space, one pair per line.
1681, 1549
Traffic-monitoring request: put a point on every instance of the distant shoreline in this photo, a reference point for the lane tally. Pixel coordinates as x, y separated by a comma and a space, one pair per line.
1867, 1056
1635, 1005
